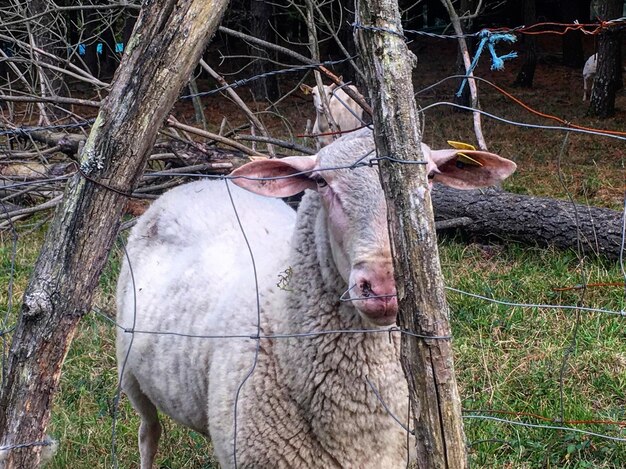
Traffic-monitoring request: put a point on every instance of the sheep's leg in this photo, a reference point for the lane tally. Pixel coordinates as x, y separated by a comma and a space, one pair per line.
588, 88
150, 428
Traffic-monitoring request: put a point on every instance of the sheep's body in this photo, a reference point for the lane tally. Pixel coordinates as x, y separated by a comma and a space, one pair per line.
307, 403
189, 265
308, 395
589, 75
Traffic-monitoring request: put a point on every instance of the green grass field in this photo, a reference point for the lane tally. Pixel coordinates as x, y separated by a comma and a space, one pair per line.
511, 362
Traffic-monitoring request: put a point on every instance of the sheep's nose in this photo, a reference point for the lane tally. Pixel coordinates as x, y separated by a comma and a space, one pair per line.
373, 291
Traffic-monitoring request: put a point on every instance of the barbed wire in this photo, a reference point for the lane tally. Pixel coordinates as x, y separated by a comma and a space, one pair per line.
525, 106
522, 124
26, 130
246, 81
294, 335
30, 444
118, 391
542, 306
619, 423
566, 124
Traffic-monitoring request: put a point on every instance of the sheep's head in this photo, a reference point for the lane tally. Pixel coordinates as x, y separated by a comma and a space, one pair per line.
317, 100
355, 210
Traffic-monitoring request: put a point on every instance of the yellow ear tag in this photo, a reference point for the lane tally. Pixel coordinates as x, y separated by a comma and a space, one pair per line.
461, 145
463, 158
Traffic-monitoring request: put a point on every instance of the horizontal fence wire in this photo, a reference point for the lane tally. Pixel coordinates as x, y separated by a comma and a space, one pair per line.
361, 161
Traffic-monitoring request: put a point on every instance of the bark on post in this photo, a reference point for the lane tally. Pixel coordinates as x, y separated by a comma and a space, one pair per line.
169, 37
428, 363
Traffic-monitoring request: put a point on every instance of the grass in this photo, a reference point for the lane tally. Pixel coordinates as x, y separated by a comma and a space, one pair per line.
562, 365
508, 359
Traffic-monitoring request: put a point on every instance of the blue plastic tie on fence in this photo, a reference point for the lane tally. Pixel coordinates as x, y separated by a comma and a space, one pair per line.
497, 62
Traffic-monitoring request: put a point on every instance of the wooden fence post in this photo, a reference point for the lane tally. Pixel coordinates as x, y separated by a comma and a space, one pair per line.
169, 37
428, 363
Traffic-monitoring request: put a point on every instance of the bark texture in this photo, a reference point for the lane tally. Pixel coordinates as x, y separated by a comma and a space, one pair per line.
527, 72
428, 363
609, 63
532, 220
169, 38
265, 88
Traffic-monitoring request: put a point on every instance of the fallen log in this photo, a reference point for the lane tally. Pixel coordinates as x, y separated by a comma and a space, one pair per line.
532, 220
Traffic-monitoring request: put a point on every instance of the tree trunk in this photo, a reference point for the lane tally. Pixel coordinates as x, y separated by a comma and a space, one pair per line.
495, 214
471, 84
47, 33
467, 6
169, 38
609, 63
571, 11
527, 73
265, 88
90, 31
427, 363
108, 58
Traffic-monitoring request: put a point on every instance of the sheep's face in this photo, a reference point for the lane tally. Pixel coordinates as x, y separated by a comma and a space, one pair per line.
356, 228
354, 219
317, 100
315, 92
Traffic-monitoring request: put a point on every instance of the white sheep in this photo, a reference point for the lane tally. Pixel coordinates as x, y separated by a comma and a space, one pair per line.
306, 402
344, 110
589, 75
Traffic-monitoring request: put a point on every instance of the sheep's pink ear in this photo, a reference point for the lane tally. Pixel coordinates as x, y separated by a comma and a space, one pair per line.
470, 169
276, 177
306, 89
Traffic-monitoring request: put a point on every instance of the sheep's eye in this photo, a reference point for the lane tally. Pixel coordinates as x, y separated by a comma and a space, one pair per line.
320, 182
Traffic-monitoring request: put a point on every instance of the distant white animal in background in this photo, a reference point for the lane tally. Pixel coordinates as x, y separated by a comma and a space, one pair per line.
306, 402
589, 74
346, 113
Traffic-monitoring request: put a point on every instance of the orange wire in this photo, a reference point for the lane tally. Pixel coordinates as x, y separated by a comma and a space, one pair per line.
549, 116
595, 28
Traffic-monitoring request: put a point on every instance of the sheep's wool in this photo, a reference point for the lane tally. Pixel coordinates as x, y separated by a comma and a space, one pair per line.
307, 402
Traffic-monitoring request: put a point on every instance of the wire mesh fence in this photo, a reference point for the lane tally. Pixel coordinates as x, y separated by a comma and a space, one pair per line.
583, 326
